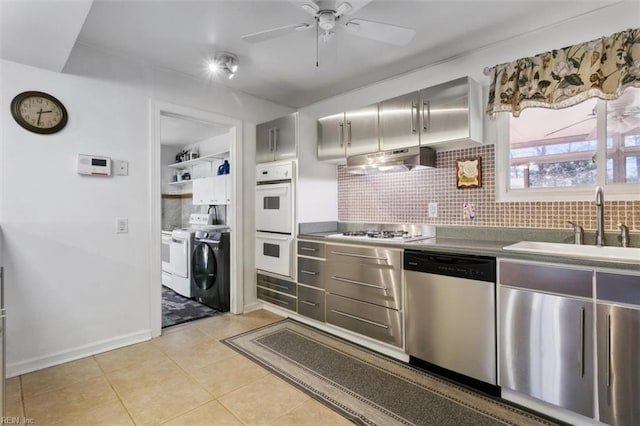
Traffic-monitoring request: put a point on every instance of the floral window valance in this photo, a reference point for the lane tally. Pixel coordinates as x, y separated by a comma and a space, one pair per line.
560, 78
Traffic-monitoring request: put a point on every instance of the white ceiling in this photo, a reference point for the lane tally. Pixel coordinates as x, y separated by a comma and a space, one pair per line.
180, 35
180, 131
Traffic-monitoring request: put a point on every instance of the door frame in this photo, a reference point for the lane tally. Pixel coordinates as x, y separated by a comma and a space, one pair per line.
158, 109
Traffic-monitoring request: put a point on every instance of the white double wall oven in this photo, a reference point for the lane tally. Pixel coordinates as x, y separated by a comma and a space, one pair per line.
275, 217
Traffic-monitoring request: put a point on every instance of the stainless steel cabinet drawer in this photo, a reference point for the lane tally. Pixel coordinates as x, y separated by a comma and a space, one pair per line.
370, 320
311, 302
311, 272
277, 284
370, 274
309, 248
278, 299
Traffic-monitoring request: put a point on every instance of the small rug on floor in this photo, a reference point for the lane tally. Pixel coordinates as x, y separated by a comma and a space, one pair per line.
366, 387
177, 309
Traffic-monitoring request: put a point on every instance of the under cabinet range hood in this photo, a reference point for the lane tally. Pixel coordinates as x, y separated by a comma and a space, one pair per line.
396, 160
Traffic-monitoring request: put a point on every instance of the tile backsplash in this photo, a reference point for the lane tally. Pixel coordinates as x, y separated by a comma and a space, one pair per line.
405, 197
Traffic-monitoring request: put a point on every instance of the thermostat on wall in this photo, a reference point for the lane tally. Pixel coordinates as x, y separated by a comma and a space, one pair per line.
94, 165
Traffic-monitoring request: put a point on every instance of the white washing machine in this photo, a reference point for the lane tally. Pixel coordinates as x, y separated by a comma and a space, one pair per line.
181, 251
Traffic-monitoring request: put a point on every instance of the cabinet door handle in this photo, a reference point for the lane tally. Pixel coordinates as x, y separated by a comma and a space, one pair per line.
581, 366
341, 134
308, 272
608, 350
357, 318
271, 139
348, 133
363, 256
275, 139
308, 249
346, 280
426, 121
306, 302
414, 118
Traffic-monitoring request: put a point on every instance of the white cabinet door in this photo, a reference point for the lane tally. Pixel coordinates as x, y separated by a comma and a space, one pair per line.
211, 190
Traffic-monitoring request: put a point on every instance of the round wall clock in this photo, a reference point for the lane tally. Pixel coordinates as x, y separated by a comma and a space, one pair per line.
39, 112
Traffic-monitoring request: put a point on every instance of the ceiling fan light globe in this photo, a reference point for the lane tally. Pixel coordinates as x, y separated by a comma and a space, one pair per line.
326, 21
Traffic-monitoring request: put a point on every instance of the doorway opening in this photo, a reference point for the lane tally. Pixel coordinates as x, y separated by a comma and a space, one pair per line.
195, 208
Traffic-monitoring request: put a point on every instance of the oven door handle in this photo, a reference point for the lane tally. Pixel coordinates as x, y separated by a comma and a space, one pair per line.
261, 237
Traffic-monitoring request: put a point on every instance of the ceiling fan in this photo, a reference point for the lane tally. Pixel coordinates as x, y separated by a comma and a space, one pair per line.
327, 17
623, 115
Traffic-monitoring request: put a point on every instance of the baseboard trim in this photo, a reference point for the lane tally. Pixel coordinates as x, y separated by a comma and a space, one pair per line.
33, 364
252, 307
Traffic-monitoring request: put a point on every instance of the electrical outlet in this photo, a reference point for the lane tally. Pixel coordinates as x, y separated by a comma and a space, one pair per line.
433, 210
122, 226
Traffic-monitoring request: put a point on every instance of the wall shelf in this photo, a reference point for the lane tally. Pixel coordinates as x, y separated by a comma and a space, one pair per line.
181, 182
207, 158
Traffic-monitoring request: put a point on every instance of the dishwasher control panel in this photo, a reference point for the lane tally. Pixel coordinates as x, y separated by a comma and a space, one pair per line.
481, 268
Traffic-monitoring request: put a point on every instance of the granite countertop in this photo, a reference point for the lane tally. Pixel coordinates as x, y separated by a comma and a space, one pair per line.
476, 247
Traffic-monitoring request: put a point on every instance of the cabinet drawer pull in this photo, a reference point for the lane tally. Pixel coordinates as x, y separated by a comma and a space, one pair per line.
273, 299
344, 314
362, 256
270, 284
306, 302
308, 249
380, 287
308, 272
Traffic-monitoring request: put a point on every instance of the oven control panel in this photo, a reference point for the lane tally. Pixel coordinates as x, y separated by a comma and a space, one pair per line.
274, 172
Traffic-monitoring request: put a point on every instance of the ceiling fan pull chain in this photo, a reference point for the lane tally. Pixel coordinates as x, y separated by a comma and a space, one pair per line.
317, 45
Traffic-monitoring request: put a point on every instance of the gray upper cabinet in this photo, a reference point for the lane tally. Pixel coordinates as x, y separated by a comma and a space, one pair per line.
399, 122
276, 139
451, 112
448, 115
350, 133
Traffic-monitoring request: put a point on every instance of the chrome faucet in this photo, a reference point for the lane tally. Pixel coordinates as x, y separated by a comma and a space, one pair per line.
624, 234
578, 233
599, 216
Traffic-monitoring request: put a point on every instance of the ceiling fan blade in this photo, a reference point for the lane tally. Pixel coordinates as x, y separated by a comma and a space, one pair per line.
386, 33
354, 6
274, 32
342, 9
308, 6
592, 117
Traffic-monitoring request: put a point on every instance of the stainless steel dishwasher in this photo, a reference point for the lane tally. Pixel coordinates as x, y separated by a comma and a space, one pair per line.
451, 315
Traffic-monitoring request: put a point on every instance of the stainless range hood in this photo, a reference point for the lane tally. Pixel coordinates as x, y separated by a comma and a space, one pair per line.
397, 160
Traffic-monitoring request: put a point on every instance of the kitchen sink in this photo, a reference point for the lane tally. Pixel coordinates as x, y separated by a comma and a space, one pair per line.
574, 250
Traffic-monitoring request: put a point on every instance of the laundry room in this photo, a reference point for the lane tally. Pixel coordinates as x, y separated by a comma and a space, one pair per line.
195, 195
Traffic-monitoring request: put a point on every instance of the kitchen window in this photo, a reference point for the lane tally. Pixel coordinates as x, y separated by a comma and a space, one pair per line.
562, 154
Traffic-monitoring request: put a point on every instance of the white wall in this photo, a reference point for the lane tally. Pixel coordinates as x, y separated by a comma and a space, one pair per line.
74, 286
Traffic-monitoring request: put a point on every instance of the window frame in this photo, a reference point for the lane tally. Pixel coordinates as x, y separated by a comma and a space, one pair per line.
612, 191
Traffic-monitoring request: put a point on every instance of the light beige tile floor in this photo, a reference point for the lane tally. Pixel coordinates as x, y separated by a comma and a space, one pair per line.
184, 377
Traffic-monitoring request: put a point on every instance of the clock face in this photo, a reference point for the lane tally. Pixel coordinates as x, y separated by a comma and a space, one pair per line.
39, 112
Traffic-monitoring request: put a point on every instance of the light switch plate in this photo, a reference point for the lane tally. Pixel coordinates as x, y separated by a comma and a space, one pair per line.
121, 168
433, 210
122, 226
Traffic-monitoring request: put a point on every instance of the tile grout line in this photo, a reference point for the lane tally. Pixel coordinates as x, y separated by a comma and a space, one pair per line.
24, 407
104, 374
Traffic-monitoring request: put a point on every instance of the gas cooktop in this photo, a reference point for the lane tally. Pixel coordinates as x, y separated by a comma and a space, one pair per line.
400, 235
